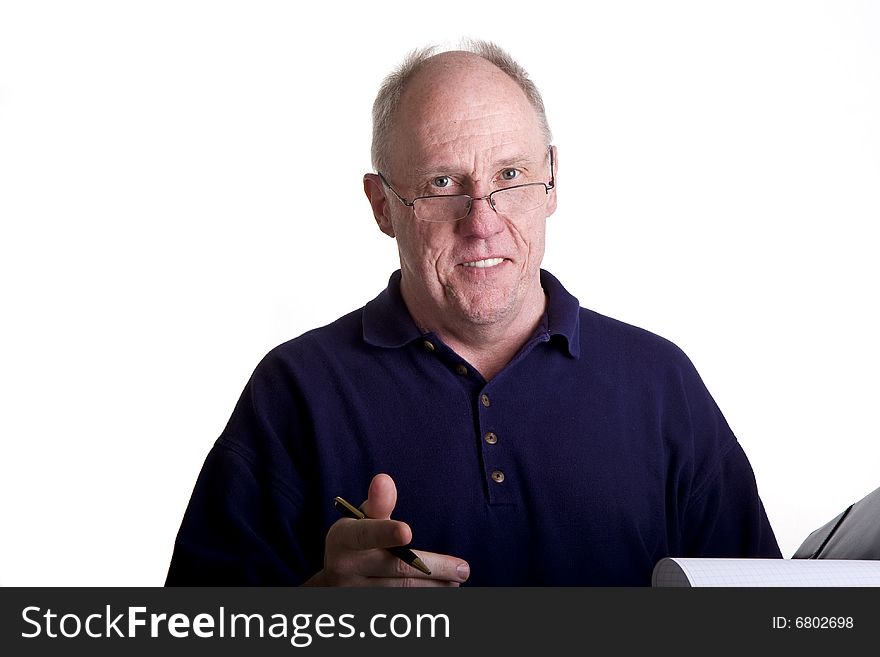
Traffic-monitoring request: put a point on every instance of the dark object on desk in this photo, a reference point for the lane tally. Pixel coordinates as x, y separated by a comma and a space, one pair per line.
854, 534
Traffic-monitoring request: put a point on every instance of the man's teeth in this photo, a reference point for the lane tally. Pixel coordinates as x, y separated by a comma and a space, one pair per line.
481, 264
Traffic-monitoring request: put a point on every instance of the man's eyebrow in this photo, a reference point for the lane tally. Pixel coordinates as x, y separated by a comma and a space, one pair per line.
433, 170
420, 172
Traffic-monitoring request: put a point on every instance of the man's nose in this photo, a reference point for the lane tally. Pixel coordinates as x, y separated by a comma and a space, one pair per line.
482, 221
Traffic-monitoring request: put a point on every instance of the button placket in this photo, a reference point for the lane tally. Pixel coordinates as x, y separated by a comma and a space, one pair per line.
492, 410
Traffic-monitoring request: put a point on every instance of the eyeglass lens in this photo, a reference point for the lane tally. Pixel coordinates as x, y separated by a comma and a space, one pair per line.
509, 202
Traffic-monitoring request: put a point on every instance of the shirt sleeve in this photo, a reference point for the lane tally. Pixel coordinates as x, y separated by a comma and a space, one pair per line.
719, 509
725, 517
246, 522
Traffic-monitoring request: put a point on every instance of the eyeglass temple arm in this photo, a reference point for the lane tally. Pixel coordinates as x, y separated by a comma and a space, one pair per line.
406, 202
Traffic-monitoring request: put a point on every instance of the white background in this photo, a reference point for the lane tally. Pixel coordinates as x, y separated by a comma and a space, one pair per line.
180, 191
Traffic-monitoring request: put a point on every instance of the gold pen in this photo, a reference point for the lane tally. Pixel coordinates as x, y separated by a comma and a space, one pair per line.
398, 551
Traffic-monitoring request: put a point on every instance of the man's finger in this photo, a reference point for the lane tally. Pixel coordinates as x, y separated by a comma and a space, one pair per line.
442, 566
382, 564
368, 534
408, 582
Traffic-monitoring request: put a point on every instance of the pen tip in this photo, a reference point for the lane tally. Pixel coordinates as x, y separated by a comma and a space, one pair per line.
418, 563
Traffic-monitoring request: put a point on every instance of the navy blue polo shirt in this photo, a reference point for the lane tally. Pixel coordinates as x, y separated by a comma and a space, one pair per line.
593, 454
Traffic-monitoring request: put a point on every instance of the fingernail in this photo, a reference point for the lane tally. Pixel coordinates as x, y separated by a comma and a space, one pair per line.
463, 570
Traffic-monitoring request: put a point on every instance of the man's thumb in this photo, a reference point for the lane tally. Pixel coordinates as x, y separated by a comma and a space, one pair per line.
381, 497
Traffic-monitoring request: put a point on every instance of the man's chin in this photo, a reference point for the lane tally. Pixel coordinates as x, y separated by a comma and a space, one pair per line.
482, 305
485, 314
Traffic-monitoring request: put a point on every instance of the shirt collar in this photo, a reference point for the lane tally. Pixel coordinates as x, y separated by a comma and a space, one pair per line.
563, 313
387, 322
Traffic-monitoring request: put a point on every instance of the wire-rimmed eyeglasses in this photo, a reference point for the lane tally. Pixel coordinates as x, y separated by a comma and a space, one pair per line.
508, 201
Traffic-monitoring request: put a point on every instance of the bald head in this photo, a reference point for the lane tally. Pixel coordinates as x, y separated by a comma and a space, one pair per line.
443, 79
429, 81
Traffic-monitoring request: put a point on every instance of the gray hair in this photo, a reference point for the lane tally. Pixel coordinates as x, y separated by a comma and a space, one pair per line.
388, 98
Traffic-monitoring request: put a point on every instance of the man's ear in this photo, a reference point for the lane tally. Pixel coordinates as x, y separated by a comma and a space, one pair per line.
551, 202
375, 191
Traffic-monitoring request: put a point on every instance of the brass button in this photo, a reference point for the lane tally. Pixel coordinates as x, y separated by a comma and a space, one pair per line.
428, 345
497, 476
485, 399
461, 369
490, 438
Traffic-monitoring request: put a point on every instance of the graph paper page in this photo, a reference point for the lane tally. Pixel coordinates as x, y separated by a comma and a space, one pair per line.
693, 572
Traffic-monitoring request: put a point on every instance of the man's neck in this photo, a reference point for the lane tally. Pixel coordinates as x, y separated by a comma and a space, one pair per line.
488, 347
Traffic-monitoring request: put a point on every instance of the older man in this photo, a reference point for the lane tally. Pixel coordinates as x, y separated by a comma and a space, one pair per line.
509, 435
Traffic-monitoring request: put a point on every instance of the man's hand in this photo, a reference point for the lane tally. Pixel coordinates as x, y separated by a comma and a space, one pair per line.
354, 553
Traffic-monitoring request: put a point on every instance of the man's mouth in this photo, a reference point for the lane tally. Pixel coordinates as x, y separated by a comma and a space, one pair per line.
482, 264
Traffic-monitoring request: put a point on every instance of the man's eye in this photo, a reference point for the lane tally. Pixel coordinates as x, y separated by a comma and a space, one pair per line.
509, 174
441, 181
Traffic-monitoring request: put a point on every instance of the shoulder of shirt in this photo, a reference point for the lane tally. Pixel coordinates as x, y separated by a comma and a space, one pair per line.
599, 331
341, 335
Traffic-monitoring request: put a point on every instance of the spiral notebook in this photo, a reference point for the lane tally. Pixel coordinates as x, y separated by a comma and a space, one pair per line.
695, 572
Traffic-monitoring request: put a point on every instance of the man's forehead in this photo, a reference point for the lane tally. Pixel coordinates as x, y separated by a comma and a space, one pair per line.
471, 148
466, 163
474, 135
